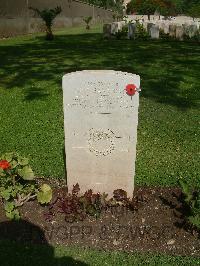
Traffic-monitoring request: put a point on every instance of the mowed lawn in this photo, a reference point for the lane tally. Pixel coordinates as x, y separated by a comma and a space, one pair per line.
31, 112
12, 254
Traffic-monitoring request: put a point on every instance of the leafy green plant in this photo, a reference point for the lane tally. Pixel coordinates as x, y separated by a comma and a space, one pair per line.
125, 19
141, 32
44, 194
194, 10
123, 33
117, 16
192, 201
18, 185
164, 36
76, 206
87, 20
195, 38
48, 16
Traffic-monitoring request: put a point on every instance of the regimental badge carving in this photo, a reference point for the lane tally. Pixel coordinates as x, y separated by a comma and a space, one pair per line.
101, 142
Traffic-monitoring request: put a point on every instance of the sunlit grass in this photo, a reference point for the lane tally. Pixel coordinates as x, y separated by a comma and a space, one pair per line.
31, 114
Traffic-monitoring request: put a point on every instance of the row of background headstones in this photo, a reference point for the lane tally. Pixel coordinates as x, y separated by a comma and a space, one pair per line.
174, 27
181, 19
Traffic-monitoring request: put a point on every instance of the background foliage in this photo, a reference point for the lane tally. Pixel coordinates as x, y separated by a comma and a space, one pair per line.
115, 5
165, 7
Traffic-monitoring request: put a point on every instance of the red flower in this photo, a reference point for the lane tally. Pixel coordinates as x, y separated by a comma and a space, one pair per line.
4, 164
131, 89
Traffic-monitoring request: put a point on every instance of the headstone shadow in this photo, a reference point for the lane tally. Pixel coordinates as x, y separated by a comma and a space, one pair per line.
23, 243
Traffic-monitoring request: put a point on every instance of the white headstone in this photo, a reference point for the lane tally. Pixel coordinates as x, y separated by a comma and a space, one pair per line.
192, 30
149, 25
120, 25
165, 27
100, 121
197, 24
131, 30
154, 32
172, 30
107, 31
114, 28
186, 29
180, 33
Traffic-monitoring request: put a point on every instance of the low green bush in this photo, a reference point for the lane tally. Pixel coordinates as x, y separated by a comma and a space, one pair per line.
192, 201
18, 185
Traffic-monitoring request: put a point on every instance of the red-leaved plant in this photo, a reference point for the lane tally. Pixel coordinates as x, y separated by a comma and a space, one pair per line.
76, 206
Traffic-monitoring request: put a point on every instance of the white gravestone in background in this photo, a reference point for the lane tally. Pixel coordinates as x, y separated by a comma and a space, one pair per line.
114, 28
100, 121
154, 32
179, 33
131, 30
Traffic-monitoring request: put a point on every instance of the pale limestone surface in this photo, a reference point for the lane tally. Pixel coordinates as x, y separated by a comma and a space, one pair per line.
114, 28
100, 122
179, 33
149, 25
154, 32
117, 26
131, 30
120, 25
172, 30
164, 26
192, 30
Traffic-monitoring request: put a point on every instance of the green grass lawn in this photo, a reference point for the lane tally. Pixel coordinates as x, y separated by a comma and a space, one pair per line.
31, 120
12, 254
31, 114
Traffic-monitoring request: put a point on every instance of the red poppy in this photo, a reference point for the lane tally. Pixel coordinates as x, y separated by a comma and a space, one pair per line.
4, 164
131, 89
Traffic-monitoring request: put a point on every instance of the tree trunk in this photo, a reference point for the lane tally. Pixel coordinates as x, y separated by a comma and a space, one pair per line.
49, 34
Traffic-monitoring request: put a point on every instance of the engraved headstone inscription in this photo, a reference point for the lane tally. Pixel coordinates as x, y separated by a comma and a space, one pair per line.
100, 120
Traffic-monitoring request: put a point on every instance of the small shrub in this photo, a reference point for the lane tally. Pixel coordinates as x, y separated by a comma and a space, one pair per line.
192, 201
18, 185
123, 33
87, 20
48, 16
163, 35
125, 19
114, 16
140, 33
195, 38
117, 16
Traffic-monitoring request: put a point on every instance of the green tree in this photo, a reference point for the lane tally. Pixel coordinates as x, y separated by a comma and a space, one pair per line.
187, 7
48, 16
87, 20
115, 5
194, 11
143, 7
179, 5
166, 7
131, 7
148, 7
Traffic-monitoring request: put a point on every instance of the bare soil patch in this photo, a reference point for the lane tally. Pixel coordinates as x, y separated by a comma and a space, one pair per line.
157, 226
